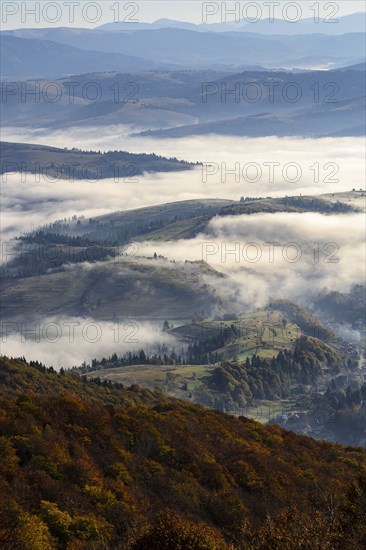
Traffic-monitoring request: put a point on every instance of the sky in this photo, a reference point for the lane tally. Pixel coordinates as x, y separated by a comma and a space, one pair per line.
85, 13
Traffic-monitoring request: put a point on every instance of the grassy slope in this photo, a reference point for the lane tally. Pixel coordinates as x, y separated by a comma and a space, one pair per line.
139, 288
171, 379
275, 337
186, 219
262, 333
182, 380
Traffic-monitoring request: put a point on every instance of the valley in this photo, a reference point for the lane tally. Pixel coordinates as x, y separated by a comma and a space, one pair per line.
182, 276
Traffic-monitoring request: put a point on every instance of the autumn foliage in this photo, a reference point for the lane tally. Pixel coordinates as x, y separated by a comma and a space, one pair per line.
92, 466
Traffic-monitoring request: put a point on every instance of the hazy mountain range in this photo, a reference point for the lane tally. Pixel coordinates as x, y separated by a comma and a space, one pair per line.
28, 53
181, 103
320, 121
326, 25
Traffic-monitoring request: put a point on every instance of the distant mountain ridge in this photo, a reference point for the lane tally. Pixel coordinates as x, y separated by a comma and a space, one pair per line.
31, 57
341, 118
173, 48
194, 101
328, 24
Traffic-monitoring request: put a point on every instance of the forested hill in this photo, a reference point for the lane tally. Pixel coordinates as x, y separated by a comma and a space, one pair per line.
90, 465
54, 163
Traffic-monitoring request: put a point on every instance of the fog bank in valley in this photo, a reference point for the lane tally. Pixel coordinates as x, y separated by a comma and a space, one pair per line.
282, 255
66, 342
232, 167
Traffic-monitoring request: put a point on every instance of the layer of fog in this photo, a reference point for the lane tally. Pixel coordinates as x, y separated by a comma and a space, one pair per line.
310, 253
28, 203
67, 342
319, 166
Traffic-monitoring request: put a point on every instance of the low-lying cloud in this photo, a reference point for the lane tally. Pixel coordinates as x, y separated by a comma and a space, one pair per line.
66, 342
282, 255
332, 246
233, 167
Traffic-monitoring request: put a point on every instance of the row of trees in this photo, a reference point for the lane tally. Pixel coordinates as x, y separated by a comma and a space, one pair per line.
202, 350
